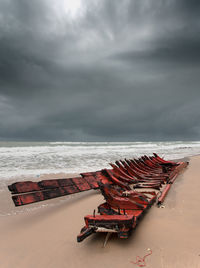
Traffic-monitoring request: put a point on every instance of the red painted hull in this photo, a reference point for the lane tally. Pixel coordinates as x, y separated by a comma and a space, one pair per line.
122, 203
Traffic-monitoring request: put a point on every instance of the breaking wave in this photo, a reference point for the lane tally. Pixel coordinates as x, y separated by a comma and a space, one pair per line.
36, 158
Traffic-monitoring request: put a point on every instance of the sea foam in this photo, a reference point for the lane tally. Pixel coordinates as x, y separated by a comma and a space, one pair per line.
24, 158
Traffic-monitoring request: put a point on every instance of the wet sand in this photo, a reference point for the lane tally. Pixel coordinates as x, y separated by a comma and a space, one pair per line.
44, 234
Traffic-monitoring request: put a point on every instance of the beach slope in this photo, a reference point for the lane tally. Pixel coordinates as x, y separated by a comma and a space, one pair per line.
44, 235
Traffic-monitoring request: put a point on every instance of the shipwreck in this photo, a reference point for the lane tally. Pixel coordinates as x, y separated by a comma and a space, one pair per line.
129, 188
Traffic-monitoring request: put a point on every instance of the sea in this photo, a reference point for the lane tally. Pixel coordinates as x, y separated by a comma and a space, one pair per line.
36, 158
20, 161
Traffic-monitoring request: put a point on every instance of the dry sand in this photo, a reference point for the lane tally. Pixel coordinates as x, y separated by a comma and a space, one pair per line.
35, 236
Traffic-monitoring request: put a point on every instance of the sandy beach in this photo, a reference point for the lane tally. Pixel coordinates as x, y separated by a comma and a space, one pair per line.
44, 234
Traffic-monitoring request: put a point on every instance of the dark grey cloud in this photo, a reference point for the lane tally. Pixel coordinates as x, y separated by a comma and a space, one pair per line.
101, 70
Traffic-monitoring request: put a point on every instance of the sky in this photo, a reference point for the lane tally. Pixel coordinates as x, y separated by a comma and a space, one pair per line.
99, 70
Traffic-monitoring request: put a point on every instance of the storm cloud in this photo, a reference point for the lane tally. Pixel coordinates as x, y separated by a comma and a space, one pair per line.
99, 70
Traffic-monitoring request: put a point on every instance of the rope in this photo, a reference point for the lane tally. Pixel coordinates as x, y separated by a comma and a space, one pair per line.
141, 261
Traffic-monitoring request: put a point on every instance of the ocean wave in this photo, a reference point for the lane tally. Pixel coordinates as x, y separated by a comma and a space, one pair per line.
24, 159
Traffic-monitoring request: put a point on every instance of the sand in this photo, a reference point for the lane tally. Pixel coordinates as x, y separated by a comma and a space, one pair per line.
44, 235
